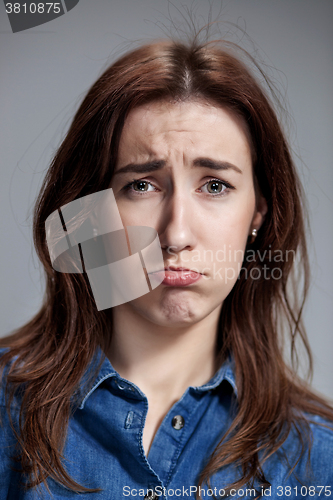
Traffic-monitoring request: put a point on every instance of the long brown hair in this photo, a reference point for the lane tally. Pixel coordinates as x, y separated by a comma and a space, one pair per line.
49, 355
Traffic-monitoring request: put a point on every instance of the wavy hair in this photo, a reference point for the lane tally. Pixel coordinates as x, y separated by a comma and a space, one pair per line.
49, 355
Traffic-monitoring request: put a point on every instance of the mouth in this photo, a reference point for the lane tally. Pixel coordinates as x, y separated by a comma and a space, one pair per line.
178, 276
181, 270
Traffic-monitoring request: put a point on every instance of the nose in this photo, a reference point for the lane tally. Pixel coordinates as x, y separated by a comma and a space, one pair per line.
177, 225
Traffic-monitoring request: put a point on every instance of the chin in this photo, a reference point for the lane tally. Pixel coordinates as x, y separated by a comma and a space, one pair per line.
171, 310
180, 312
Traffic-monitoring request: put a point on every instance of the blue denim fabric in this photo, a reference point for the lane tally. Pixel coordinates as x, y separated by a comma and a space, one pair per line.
104, 449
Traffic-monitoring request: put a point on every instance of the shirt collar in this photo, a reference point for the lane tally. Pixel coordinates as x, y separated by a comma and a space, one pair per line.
100, 369
225, 372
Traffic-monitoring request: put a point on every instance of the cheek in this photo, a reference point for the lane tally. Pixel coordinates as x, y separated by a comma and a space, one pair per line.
225, 249
235, 229
139, 215
230, 226
224, 238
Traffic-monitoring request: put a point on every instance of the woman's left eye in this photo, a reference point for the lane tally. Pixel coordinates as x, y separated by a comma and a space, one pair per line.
215, 187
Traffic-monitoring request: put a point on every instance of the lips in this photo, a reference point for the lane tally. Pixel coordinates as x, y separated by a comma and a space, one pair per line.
179, 276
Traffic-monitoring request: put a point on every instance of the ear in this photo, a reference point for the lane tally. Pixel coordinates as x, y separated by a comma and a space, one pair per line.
259, 214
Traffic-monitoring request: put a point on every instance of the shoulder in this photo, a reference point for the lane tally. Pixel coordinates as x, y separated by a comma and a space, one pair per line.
5, 365
321, 447
310, 464
3, 380
8, 440
292, 471
321, 435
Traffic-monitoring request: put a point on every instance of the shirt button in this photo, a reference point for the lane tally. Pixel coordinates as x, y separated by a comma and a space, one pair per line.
151, 495
178, 422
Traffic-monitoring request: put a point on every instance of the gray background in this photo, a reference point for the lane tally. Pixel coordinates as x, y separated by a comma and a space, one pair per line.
46, 70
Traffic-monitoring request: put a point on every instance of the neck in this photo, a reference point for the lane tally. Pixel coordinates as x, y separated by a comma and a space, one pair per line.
163, 361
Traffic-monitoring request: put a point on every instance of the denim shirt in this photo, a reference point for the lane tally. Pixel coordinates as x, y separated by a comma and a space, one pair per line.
104, 446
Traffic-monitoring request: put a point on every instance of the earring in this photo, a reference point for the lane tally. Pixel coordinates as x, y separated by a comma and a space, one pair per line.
254, 235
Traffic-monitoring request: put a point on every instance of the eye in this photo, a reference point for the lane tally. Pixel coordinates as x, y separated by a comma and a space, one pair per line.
216, 187
139, 186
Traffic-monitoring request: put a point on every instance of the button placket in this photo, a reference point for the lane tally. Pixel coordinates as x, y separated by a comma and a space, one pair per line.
171, 437
129, 419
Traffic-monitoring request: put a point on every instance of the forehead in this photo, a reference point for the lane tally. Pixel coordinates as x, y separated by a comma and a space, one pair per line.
163, 129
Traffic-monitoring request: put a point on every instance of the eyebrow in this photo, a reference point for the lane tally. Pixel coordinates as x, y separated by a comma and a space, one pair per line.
216, 165
151, 166
142, 168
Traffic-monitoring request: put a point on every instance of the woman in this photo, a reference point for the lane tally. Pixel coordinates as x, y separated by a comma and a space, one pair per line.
184, 390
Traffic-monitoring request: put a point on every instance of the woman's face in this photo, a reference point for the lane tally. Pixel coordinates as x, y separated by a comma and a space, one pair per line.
185, 169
